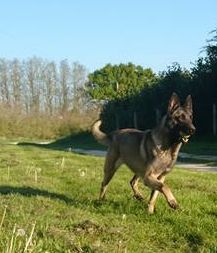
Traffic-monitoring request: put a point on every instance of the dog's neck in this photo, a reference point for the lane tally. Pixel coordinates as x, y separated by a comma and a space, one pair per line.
163, 137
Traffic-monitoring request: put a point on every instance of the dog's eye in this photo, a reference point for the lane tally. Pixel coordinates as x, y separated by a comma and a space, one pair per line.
182, 117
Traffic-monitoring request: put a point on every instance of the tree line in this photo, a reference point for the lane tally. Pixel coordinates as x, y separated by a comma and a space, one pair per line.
37, 85
43, 99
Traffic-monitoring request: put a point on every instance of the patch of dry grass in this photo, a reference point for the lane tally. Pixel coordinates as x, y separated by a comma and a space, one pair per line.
14, 124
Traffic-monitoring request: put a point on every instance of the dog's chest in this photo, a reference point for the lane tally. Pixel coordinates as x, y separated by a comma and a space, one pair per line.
165, 160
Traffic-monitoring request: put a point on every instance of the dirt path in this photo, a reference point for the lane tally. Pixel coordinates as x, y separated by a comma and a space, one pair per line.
203, 167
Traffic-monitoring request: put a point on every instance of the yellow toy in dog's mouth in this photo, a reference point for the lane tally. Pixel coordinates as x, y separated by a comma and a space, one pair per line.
184, 138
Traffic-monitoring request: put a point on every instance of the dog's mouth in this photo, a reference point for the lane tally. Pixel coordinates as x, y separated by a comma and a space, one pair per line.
184, 138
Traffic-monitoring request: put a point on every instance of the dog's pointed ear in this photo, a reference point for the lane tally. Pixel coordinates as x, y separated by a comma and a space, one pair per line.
174, 103
188, 103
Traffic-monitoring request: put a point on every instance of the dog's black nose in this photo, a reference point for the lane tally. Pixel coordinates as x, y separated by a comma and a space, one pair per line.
192, 130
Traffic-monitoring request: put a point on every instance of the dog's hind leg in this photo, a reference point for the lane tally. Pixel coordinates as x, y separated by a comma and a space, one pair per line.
134, 184
153, 197
112, 163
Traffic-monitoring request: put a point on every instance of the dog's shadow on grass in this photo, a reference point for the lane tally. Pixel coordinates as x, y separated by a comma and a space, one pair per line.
94, 205
29, 192
83, 140
194, 241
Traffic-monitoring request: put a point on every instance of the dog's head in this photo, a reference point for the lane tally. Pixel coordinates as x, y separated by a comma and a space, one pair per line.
179, 118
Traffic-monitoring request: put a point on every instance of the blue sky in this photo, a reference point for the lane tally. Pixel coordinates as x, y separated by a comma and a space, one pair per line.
152, 33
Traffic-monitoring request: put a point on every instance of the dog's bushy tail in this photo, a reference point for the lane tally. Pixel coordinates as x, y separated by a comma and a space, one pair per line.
99, 135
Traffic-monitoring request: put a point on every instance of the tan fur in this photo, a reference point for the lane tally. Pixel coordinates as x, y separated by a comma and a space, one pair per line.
149, 154
100, 136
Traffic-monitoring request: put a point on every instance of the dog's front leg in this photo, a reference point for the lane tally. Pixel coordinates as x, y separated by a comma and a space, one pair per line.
153, 197
156, 184
169, 197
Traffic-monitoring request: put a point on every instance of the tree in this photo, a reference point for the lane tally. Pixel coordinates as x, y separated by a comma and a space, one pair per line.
50, 87
79, 78
34, 78
16, 82
118, 81
4, 80
64, 85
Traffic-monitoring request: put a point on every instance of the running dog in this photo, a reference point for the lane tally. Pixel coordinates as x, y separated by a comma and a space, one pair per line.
150, 154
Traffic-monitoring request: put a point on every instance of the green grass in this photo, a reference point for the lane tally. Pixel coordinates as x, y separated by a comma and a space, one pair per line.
57, 192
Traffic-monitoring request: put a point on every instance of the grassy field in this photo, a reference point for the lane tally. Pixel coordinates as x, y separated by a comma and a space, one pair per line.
48, 203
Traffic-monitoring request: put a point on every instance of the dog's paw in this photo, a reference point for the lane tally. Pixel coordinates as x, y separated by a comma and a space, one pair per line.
151, 209
101, 198
173, 204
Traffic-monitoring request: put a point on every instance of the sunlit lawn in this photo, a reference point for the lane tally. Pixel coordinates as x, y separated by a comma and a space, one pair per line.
53, 195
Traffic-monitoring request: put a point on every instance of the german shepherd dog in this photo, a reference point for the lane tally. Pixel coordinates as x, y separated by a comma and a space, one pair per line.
150, 154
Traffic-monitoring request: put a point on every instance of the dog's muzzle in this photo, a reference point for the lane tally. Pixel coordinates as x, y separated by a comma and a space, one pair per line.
184, 137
